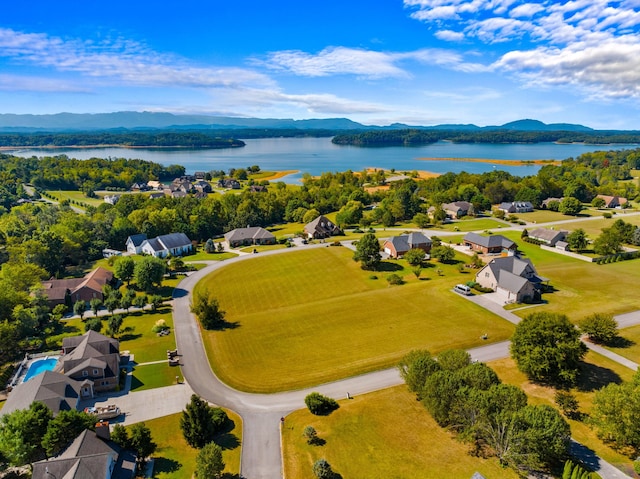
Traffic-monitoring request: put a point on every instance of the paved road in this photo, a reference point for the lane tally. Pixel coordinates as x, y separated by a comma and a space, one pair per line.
261, 413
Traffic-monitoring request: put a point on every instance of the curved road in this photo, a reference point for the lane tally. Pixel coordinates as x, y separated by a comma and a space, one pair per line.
261, 413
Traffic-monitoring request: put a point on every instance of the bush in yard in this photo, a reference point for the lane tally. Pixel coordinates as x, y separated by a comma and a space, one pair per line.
322, 469
311, 435
601, 328
395, 279
320, 405
160, 325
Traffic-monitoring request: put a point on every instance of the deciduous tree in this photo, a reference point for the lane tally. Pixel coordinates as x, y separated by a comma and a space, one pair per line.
209, 463
368, 252
547, 348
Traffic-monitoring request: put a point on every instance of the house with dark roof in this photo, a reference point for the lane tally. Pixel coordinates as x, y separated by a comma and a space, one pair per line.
174, 244
134, 243
516, 207
202, 186
252, 235
398, 246
548, 236
230, 183
55, 390
515, 280
492, 244
92, 357
77, 289
457, 209
91, 455
321, 228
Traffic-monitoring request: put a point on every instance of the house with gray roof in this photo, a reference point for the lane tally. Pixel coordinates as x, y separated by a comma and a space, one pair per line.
134, 243
457, 209
322, 227
55, 390
492, 244
94, 357
252, 235
515, 280
398, 246
516, 207
548, 236
174, 244
90, 455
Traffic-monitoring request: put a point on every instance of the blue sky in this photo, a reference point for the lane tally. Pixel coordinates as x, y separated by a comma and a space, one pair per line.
420, 62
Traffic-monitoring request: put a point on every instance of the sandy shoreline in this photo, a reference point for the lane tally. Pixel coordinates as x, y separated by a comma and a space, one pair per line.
496, 161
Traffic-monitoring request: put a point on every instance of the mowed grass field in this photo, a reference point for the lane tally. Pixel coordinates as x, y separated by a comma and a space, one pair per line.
630, 350
582, 288
313, 316
381, 435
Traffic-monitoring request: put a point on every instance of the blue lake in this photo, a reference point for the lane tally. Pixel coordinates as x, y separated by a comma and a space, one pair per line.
318, 155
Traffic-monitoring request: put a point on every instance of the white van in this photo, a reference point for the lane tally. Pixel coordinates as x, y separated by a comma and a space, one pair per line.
462, 289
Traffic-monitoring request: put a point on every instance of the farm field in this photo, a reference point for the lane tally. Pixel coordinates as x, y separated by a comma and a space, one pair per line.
597, 372
175, 459
313, 316
381, 435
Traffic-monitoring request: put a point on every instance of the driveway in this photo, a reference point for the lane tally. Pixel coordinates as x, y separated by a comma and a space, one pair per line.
261, 413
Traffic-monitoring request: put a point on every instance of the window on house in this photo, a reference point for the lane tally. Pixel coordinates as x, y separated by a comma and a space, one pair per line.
85, 373
486, 274
96, 372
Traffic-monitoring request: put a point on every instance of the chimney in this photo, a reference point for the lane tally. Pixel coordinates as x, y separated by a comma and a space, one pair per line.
102, 430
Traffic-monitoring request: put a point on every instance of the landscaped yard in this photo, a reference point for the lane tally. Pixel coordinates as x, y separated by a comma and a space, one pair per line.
312, 316
175, 459
581, 288
78, 196
135, 335
598, 372
384, 434
157, 375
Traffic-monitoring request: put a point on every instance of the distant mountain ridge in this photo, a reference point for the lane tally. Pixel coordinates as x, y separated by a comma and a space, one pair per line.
16, 123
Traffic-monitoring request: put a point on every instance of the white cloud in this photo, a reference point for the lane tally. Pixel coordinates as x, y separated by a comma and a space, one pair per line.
526, 10
121, 60
449, 35
364, 63
39, 84
611, 69
336, 61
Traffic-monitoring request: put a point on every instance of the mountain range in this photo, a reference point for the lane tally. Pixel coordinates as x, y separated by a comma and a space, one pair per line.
132, 120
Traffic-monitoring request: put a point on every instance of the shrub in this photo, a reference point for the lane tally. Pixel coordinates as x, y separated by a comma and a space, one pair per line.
160, 325
395, 279
607, 215
322, 469
320, 405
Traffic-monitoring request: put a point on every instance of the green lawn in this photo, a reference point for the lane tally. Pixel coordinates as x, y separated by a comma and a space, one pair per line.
593, 227
597, 372
312, 316
581, 288
630, 347
150, 376
135, 336
202, 256
381, 435
474, 224
175, 459
78, 196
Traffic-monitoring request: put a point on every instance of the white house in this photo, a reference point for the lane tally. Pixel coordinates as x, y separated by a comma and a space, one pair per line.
174, 244
134, 243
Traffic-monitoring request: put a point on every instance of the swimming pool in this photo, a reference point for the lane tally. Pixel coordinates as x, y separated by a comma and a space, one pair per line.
39, 366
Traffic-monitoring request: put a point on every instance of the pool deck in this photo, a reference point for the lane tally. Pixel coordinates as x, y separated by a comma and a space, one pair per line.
23, 368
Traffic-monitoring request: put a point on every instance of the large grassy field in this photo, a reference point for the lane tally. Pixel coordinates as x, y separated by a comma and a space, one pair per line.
312, 316
582, 288
381, 435
597, 372
175, 459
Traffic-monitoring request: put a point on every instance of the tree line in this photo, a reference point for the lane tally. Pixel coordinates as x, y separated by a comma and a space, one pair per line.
127, 139
413, 137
